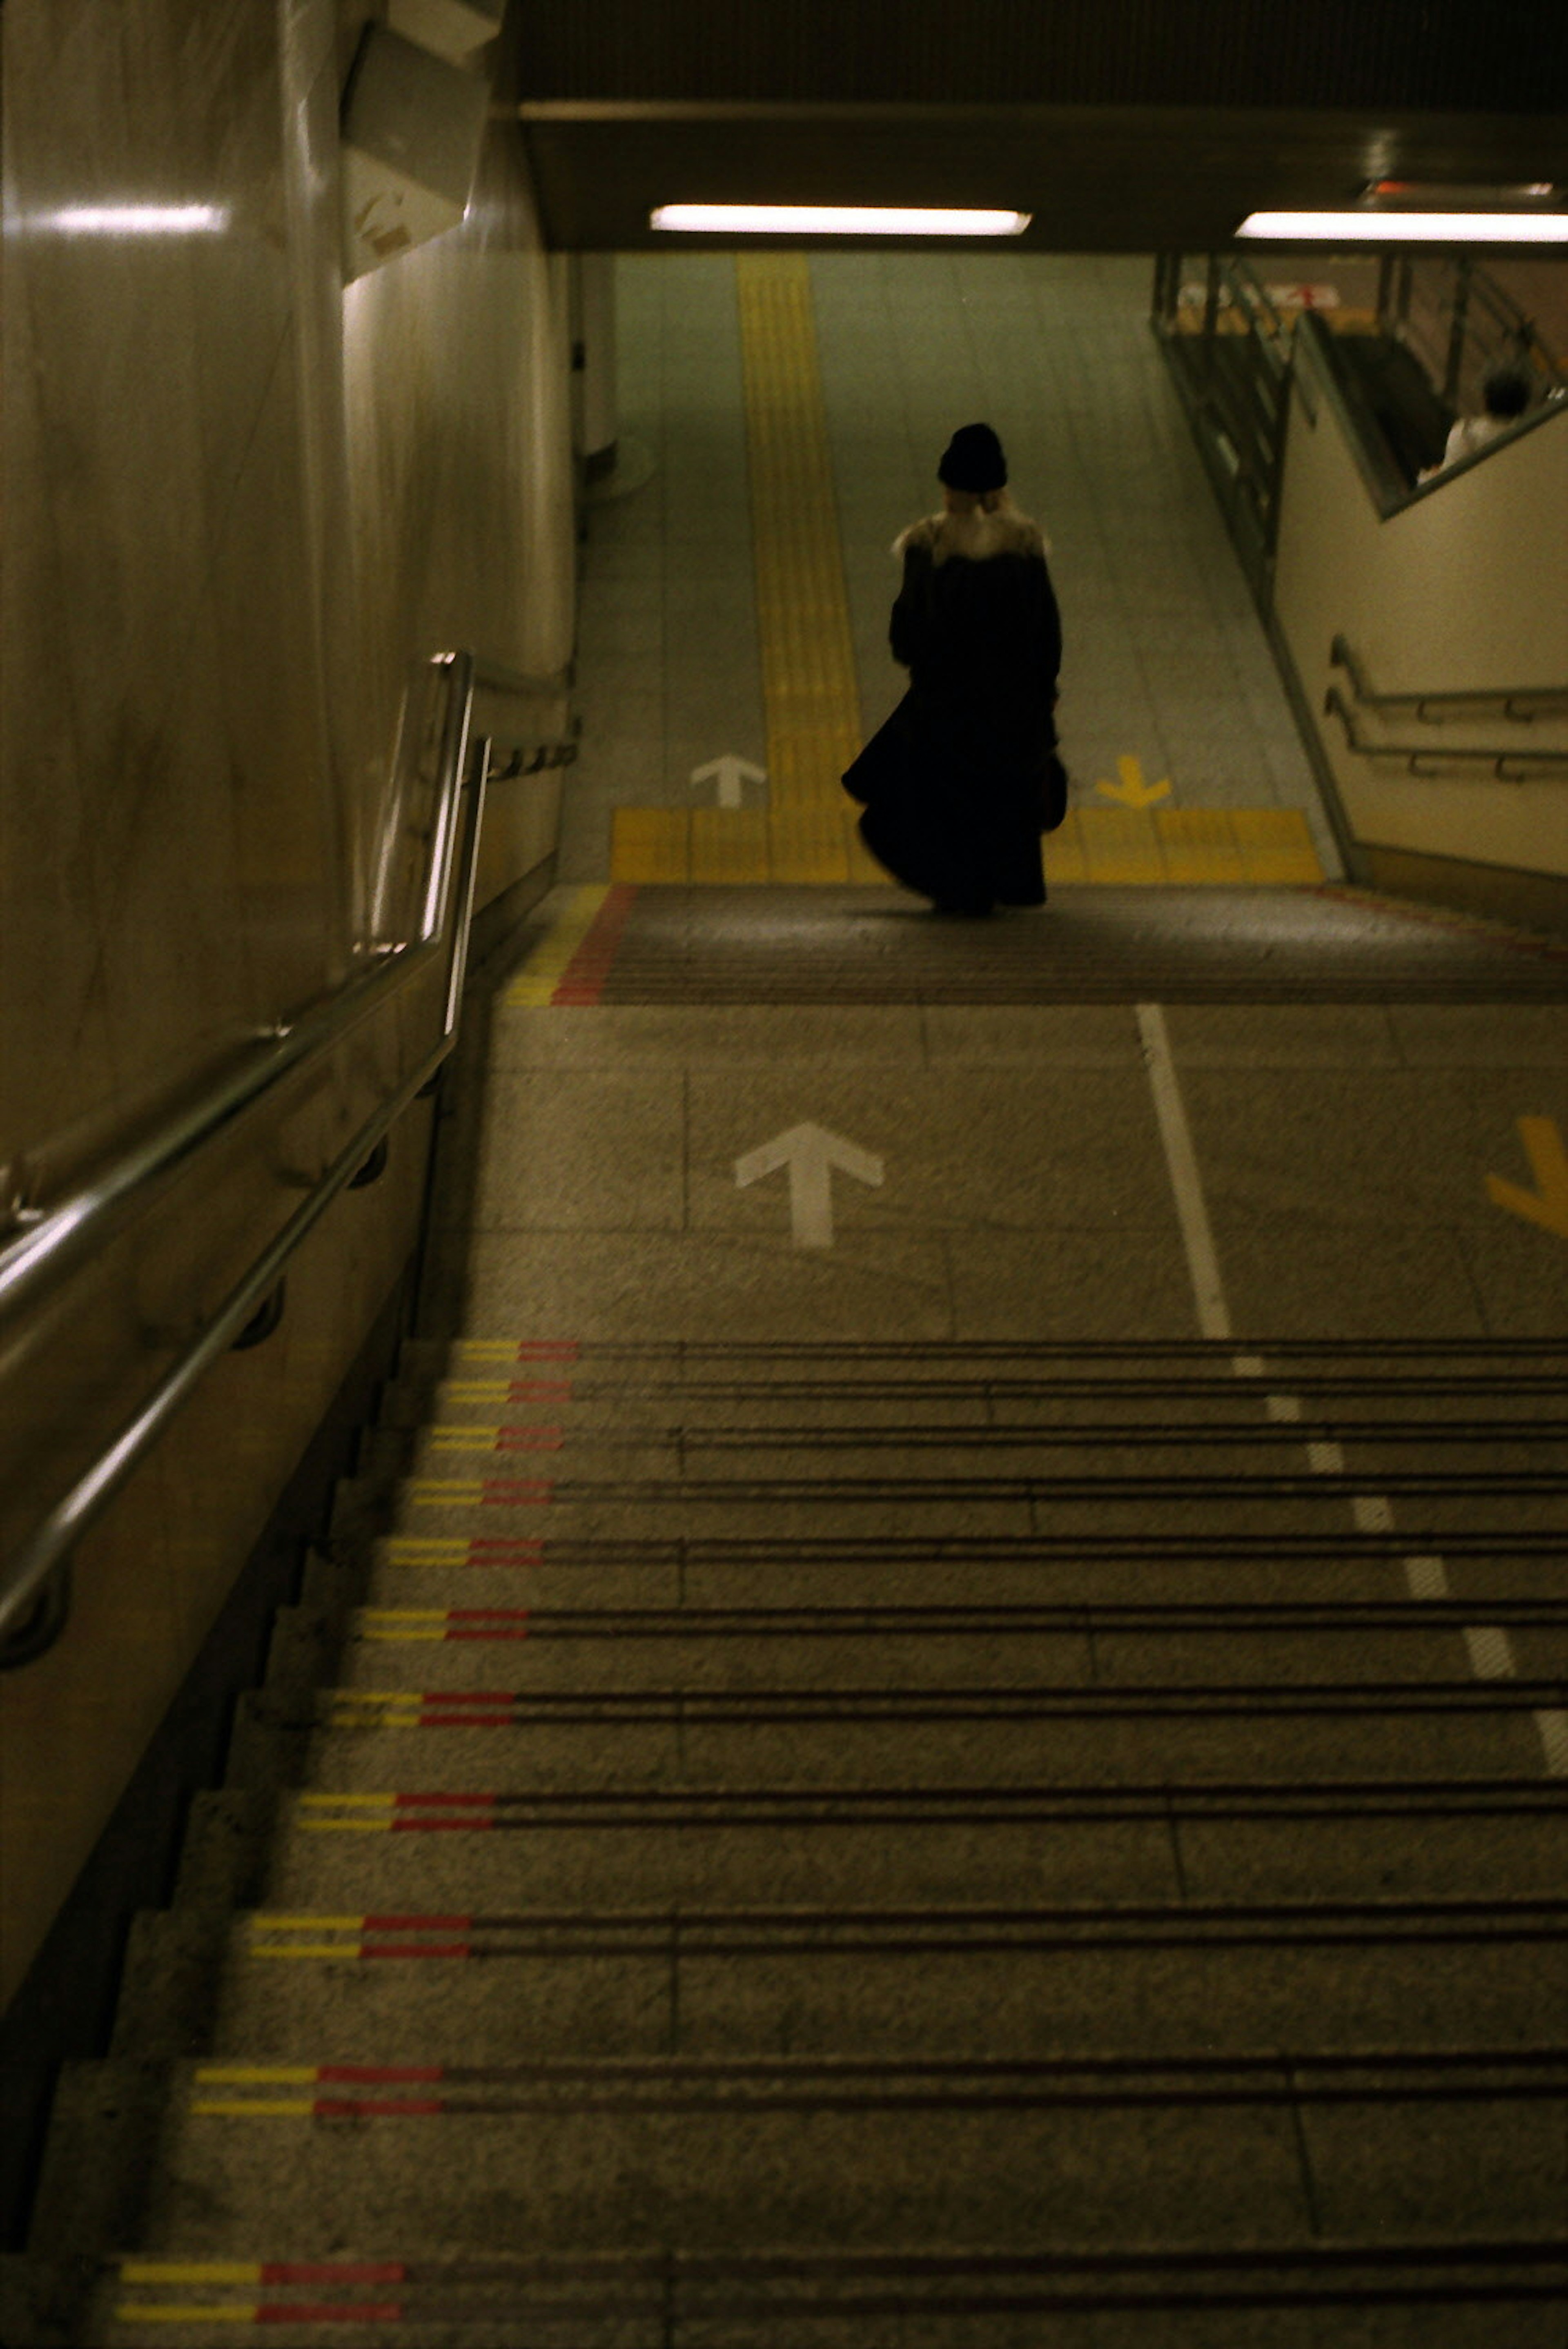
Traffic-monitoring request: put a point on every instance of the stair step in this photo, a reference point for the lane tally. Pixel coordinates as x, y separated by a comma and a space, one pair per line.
375, 1850
1088, 1571
733, 2154
1151, 1981
916, 2296
559, 1649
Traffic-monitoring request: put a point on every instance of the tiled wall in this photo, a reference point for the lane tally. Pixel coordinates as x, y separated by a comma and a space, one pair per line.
456, 365
239, 501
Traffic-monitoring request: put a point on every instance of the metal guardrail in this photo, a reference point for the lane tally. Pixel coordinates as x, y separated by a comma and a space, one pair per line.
1519, 704
1506, 764
56, 1243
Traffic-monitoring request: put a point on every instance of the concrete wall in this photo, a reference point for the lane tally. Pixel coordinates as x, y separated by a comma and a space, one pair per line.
238, 503
1466, 587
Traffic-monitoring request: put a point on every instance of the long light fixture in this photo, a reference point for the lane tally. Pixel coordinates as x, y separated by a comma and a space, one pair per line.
832, 220
1367, 225
135, 219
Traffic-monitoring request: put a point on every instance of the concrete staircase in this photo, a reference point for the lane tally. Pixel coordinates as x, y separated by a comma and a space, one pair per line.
908, 1847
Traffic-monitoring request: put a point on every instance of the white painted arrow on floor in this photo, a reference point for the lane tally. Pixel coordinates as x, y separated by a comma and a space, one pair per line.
730, 773
811, 1152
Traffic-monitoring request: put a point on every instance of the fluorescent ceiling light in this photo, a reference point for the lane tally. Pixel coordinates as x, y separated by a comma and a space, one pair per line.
1365, 225
136, 220
832, 220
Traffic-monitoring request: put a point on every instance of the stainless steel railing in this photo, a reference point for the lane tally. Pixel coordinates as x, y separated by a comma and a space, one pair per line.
54, 1243
1517, 704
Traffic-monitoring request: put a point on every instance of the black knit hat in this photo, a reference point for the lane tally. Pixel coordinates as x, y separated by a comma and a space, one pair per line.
973, 460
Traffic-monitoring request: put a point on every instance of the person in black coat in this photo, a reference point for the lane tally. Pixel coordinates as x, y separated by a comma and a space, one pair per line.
964, 778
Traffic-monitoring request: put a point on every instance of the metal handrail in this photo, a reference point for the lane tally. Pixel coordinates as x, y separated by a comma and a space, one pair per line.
1521, 704
1508, 765
44, 1255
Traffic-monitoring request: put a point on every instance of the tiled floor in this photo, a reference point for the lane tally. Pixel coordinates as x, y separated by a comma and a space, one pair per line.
1166, 661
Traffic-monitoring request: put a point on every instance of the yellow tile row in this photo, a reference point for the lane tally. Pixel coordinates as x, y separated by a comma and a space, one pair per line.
737, 845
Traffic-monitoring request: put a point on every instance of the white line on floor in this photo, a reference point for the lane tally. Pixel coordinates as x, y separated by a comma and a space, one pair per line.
1181, 1162
1489, 1647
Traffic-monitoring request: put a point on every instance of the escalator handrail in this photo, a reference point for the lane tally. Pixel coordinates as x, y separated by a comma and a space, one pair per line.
61, 1241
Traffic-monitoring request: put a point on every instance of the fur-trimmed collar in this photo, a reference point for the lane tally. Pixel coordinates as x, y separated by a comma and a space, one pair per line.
976, 534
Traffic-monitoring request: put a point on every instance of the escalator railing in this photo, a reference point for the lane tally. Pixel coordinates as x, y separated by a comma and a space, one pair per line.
400, 1006
1461, 323
1402, 369
1228, 343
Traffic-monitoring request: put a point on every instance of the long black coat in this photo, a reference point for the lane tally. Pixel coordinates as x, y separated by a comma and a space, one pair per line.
959, 782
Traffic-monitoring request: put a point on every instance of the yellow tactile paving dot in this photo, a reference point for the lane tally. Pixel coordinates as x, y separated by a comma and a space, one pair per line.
808, 844
1276, 845
730, 844
1120, 844
650, 843
1063, 852
1199, 845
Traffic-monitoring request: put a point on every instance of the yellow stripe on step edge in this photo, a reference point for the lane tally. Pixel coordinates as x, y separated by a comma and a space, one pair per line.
238, 2075
189, 2271
546, 966
437, 1492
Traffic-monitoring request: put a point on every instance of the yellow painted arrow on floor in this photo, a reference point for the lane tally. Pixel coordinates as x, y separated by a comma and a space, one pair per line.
1132, 790
1547, 1205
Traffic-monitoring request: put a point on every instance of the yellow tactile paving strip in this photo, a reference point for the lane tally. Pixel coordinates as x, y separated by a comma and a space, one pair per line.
1105, 845
811, 693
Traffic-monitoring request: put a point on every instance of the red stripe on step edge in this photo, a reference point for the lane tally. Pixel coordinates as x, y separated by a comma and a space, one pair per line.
488, 1614
583, 979
329, 2311
548, 1349
529, 1439
539, 1391
516, 1492
472, 1632
496, 1551
331, 2271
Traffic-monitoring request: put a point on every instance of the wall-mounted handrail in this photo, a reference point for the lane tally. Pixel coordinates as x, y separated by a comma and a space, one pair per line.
65, 1237
1520, 704
1508, 765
